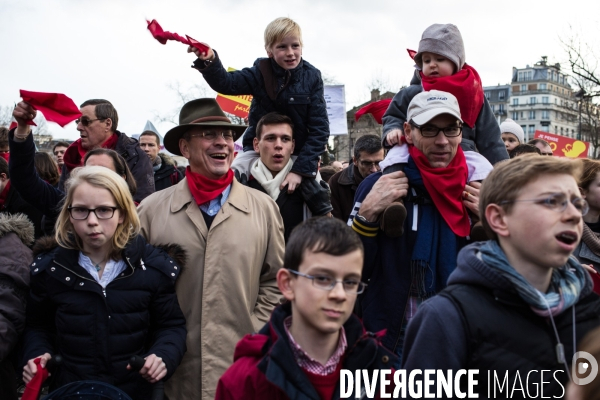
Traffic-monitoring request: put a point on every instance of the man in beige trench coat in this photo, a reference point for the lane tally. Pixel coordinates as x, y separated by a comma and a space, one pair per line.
233, 236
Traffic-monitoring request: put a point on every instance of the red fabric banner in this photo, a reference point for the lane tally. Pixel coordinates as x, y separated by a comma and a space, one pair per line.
56, 107
162, 36
563, 146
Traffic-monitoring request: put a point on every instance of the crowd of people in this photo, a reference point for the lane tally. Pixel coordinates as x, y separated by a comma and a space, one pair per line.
263, 275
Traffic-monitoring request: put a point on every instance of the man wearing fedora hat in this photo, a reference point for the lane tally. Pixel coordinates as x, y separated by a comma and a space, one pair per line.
233, 236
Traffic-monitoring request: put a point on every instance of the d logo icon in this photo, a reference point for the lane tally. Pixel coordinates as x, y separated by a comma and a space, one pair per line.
582, 367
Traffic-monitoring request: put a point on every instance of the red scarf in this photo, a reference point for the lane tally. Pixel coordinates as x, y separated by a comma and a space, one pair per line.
4, 195
446, 187
75, 153
5, 156
465, 85
204, 189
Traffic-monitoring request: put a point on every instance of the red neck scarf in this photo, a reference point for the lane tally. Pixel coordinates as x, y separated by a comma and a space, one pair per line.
75, 153
446, 187
6, 156
4, 195
204, 189
465, 85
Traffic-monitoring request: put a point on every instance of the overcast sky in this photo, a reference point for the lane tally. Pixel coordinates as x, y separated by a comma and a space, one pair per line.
102, 49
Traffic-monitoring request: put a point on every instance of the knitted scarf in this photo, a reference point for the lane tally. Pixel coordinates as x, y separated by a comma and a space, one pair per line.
591, 239
436, 246
204, 189
566, 285
75, 153
446, 187
465, 85
270, 183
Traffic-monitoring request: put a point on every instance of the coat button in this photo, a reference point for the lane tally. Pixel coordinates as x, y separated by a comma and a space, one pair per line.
172, 274
175, 267
171, 261
67, 279
314, 173
33, 265
39, 258
80, 283
52, 269
385, 359
35, 270
291, 99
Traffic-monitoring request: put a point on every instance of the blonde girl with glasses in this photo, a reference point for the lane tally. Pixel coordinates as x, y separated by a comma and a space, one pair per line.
100, 294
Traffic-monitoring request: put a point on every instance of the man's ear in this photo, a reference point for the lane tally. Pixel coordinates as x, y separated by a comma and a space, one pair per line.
293, 145
184, 148
108, 122
583, 192
285, 283
496, 219
408, 133
255, 144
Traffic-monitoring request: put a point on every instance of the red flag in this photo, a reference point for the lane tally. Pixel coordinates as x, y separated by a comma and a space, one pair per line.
56, 107
33, 387
162, 36
411, 53
377, 109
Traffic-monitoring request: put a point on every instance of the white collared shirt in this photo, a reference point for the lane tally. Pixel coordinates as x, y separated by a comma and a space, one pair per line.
112, 269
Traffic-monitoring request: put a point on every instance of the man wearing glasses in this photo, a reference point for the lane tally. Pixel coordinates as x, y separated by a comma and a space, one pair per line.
368, 153
233, 237
97, 128
403, 271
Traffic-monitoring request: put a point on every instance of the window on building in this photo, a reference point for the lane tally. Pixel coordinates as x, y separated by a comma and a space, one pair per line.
487, 95
501, 95
542, 86
515, 116
516, 101
561, 131
545, 99
501, 107
532, 114
524, 127
545, 114
492, 107
521, 115
546, 128
532, 100
523, 88
520, 77
531, 130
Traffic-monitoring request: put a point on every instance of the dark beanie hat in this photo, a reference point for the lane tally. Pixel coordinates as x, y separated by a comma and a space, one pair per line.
445, 40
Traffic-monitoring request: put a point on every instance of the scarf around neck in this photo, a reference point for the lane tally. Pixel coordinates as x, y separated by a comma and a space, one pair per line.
446, 187
75, 153
566, 285
465, 85
271, 184
204, 189
4, 195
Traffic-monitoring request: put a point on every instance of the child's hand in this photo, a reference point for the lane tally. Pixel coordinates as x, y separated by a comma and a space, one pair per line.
30, 368
292, 180
393, 137
154, 369
209, 55
471, 197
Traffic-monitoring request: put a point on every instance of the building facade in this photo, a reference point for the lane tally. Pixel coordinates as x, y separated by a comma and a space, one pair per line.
498, 97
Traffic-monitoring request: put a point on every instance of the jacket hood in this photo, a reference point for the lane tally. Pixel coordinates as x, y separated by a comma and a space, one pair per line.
473, 271
166, 159
19, 224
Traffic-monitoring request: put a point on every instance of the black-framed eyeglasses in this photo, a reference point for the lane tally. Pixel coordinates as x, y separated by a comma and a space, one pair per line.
326, 282
212, 135
85, 121
369, 164
432, 131
103, 212
558, 202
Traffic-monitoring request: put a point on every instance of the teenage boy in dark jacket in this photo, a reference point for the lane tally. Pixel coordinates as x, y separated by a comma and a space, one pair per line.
284, 83
517, 305
299, 353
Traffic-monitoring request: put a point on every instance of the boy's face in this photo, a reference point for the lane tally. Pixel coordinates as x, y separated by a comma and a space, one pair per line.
317, 311
535, 235
287, 53
275, 146
435, 65
510, 141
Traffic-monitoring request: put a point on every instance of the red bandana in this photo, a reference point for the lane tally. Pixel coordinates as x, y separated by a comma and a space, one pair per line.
446, 187
56, 107
5, 156
204, 189
465, 85
376, 109
162, 36
75, 153
4, 195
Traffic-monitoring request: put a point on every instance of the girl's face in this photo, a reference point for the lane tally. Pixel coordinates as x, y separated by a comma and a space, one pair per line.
510, 141
95, 231
592, 194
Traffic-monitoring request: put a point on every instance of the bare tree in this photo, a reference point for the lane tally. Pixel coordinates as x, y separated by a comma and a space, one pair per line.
183, 94
5, 115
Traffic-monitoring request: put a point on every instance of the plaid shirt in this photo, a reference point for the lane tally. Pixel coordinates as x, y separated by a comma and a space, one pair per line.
310, 364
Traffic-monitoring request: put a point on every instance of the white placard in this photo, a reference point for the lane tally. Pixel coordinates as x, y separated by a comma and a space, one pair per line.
335, 98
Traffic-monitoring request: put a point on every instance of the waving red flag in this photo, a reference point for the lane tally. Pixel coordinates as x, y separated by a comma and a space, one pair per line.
56, 107
162, 36
376, 109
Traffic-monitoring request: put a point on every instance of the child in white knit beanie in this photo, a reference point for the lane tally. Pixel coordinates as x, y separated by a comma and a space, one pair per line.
512, 134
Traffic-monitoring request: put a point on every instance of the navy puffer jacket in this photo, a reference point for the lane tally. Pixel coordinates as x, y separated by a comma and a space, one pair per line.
97, 331
297, 93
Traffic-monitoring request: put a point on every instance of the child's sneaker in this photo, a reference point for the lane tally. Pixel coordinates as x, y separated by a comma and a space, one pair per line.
392, 219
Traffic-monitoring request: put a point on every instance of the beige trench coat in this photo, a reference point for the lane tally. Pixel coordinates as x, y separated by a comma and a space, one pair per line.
228, 288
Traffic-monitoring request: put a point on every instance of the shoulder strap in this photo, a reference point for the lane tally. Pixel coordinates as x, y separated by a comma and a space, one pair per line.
268, 77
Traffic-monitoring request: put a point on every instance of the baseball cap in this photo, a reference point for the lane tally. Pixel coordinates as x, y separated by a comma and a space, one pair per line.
425, 106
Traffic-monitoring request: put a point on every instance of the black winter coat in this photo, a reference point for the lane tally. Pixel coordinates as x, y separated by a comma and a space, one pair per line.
137, 161
297, 93
96, 331
167, 175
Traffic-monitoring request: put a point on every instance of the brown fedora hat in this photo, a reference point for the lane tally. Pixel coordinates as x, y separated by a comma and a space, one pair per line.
200, 112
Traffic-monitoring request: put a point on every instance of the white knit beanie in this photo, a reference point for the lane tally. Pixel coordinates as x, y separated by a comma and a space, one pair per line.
510, 126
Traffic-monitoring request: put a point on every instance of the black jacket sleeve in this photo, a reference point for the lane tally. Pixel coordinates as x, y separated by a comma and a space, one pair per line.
232, 83
488, 137
395, 116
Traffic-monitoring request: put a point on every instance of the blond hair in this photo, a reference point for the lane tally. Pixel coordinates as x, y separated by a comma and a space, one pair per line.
504, 184
104, 178
280, 28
